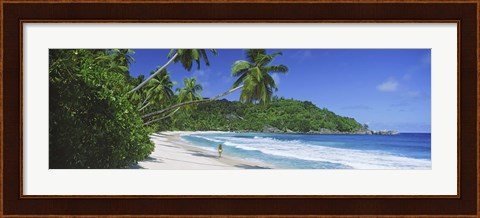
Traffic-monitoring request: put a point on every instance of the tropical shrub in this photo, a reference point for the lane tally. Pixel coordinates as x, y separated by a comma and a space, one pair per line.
92, 122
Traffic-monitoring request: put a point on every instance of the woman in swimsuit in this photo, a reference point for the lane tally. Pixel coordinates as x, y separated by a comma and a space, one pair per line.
220, 150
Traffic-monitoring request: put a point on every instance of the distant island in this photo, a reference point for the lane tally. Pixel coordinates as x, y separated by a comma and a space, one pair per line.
280, 116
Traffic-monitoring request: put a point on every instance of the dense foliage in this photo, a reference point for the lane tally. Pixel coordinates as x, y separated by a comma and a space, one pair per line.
92, 122
281, 114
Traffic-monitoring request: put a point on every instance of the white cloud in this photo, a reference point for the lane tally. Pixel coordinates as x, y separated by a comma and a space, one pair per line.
390, 85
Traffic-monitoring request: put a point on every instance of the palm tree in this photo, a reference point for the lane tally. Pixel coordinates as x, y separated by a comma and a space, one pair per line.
190, 92
160, 88
123, 56
186, 57
257, 84
187, 96
117, 59
254, 74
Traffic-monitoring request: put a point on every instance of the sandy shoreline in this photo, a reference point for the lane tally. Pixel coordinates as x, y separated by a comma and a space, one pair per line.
173, 153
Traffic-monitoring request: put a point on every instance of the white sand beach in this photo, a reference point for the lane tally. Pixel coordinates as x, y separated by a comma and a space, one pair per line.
173, 153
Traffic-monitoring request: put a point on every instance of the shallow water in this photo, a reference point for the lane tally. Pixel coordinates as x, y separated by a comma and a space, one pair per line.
300, 151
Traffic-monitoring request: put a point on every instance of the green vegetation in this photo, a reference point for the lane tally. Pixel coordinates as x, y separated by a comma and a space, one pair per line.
92, 123
95, 115
280, 115
101, 117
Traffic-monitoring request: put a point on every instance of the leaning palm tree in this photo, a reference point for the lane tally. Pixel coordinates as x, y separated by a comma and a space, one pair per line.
186, 57
254, 79
254, 75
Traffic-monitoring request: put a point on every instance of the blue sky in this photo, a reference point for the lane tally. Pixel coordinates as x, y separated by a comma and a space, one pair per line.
384, 88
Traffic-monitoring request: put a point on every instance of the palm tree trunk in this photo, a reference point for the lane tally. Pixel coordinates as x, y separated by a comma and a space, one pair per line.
161, 118
192, 102
143, 107
154, 74
144, 103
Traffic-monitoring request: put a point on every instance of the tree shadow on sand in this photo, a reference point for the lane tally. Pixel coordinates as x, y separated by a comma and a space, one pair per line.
200, 154
148, 159
135, 166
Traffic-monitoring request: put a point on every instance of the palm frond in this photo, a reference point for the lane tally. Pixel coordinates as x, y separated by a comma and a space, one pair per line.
198, 88
252, 54
270, 82
239, 80
214, 51
256, 72
170, 54
205, 57
274, 54
277, 69
195, 54
239, 67
264, 59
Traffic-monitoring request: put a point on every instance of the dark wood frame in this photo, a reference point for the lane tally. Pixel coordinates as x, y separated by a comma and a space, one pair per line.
15, 12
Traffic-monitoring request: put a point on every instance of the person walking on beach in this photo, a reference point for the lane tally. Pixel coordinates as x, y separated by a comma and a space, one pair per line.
220, 150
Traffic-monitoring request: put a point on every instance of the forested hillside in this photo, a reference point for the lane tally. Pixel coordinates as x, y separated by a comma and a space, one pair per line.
281, 115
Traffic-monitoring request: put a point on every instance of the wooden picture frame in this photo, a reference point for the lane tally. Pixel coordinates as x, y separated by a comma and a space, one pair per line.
14, 13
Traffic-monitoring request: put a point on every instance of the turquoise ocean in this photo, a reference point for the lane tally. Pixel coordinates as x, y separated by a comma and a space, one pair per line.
310, 151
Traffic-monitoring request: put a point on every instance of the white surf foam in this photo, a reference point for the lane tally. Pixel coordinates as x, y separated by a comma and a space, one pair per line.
358, 159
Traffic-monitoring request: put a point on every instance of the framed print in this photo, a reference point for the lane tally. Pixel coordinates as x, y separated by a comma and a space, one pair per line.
243, 108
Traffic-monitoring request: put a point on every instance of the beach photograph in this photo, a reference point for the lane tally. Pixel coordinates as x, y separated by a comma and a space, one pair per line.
240, 109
